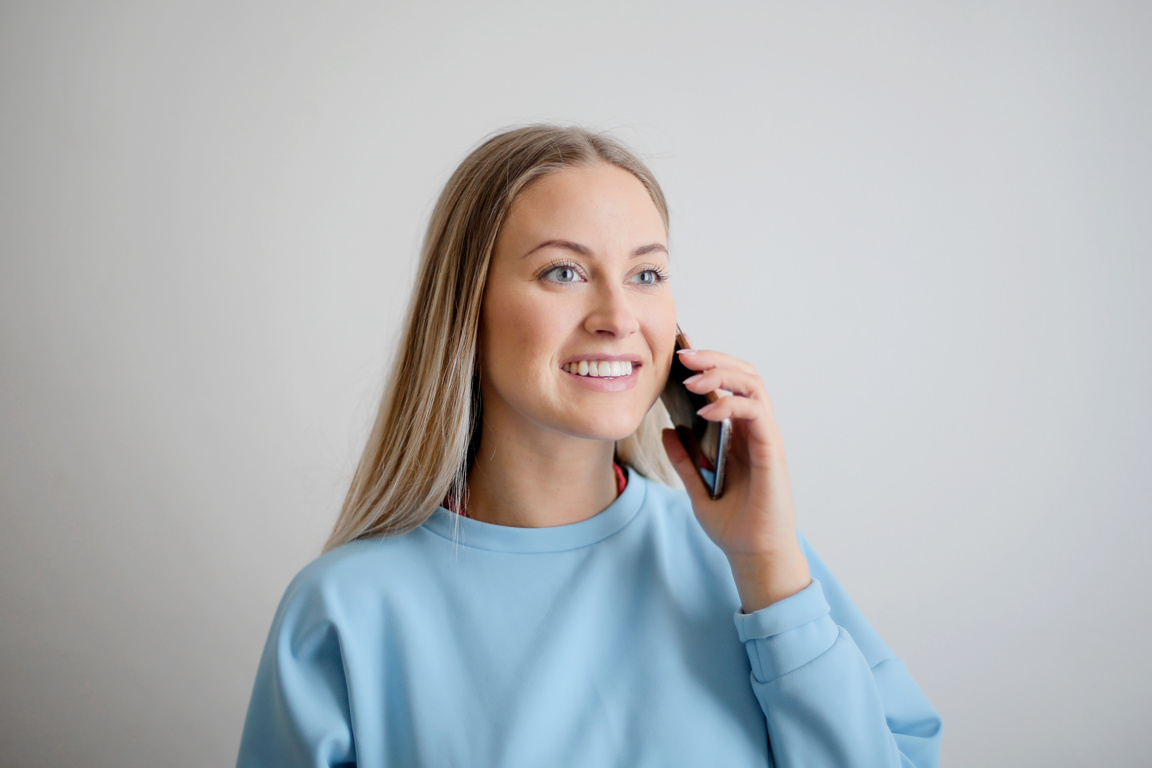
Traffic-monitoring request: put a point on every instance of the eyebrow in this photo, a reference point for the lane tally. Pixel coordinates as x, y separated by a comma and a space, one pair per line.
584, 250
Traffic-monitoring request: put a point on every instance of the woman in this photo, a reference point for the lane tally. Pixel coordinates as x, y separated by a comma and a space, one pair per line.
507, 584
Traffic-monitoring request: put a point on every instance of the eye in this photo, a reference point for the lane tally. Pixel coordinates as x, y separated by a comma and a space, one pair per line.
649, 277
561, 273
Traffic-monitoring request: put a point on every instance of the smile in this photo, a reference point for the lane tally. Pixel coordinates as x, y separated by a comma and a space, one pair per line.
603, 375
601, 369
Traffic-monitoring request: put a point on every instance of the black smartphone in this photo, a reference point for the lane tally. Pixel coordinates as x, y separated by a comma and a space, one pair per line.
706, 441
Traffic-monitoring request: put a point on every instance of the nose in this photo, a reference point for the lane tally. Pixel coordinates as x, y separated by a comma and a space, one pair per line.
612, 313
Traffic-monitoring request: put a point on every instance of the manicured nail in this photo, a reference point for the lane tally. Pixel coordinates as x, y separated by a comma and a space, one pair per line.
691, 379
706, 409
686, 351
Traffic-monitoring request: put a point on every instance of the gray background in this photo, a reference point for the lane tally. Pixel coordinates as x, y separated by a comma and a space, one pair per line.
927, 225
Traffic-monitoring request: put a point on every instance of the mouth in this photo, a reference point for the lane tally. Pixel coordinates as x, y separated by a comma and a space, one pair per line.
603, 375
601, 369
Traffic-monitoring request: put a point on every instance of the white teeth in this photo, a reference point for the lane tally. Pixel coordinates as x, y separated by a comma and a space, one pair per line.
600, 368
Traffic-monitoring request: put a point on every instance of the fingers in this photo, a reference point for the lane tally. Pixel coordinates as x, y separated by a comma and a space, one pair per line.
733, 408
765, 443
734, 381
749, 401
726, 374
702, 359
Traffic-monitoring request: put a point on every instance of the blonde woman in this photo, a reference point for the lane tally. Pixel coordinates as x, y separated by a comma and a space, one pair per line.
514, 580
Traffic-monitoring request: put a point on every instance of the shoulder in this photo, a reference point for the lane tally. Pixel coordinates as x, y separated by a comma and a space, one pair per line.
662, 499
668, 508
332, 587
668, 513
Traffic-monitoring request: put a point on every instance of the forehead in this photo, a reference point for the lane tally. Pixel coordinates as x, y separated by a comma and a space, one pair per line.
602, 206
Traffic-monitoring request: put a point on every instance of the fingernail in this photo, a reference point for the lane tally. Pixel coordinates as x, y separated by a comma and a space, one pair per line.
691, 379
686, 351
706, 409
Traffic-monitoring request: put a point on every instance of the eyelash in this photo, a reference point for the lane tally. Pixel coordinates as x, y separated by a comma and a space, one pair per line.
661, 274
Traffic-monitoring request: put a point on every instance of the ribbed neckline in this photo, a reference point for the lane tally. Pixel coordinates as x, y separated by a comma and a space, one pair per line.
506, 538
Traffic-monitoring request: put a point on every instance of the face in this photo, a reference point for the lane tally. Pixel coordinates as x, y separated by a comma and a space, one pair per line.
577, 283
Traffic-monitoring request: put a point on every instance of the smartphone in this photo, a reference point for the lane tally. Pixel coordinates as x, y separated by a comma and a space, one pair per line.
706, 441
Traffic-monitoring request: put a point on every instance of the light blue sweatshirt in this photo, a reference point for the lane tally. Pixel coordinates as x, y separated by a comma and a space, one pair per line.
609, 642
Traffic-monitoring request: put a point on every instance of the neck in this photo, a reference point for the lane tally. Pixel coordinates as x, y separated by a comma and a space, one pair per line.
550, 480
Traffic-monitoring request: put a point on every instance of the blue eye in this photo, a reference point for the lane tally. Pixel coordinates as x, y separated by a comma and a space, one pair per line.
649, 277
561, 273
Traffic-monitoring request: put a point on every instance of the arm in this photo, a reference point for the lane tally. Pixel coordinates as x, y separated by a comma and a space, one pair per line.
299, 713
832, 692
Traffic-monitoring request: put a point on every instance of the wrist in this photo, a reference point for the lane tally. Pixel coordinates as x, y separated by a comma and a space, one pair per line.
764, 579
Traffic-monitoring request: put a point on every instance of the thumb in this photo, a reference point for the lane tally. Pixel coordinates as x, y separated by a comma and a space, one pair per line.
685, 468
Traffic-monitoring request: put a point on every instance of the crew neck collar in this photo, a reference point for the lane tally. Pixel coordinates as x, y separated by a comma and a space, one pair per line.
505, 538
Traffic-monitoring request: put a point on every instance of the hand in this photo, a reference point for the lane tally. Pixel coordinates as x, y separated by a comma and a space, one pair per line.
752, 522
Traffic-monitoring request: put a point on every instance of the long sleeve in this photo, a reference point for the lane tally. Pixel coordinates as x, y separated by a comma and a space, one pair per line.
832, 692
299, 713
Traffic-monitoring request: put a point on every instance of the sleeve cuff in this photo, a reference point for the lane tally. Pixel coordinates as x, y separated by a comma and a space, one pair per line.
787, 634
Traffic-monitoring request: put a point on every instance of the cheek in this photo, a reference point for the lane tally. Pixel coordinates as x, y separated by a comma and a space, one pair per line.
518, 330
662, 330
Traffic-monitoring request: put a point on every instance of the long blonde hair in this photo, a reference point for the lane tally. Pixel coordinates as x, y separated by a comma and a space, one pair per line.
428, 425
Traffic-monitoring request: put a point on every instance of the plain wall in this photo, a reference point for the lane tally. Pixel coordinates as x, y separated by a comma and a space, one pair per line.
927, 225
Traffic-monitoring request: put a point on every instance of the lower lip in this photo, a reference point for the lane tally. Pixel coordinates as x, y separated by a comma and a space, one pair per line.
616, 384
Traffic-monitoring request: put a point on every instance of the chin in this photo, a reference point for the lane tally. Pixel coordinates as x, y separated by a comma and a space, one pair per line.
607, 429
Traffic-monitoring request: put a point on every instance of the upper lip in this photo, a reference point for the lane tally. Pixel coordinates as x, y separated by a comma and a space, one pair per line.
634, 359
